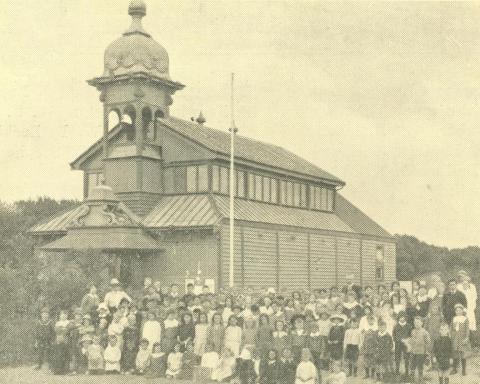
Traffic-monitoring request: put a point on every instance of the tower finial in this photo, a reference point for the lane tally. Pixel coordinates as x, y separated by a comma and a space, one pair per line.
137, 9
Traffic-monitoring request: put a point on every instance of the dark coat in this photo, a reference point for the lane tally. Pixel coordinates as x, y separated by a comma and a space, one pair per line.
448, 304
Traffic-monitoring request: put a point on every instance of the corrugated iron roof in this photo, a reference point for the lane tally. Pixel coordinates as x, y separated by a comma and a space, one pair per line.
182, 211
58, 223
203, 210
356, 219
276, 214
104, 238
247, 149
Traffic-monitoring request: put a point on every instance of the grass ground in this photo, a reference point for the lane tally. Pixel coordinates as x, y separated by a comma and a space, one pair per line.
27, 375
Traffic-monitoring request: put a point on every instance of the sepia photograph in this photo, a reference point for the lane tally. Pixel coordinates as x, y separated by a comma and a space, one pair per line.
239, 191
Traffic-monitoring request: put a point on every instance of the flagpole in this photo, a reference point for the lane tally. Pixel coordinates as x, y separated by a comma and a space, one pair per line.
233, 130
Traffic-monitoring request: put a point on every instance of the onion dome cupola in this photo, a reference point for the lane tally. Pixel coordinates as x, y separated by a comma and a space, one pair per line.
136, 50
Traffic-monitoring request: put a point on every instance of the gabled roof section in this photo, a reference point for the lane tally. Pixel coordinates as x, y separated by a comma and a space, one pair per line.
356, 219
247, 149
76, 164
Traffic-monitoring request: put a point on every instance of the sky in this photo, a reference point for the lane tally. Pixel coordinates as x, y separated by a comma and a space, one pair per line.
383, 95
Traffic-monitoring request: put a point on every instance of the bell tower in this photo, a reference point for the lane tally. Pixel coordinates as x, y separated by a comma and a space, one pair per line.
135, 89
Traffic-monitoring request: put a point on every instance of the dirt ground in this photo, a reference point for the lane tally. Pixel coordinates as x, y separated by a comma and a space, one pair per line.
27, 375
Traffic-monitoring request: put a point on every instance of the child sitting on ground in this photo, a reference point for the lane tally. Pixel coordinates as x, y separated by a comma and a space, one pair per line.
174, 362
112, 356
158, 362
95, 357
142, 361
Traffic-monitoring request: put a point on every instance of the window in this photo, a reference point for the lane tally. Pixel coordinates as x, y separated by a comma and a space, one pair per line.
290, 199
251, 186
94, 179
224, 187
380, 262
241, 184
203, 178
266, 189
303, 196
192, 179
274, 191
296, 195
258, 187
283, 192
324, 205
331, 199
215, 178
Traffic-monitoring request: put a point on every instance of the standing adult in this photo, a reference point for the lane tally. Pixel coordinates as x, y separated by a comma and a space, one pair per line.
115, 295
470, 291
451, 298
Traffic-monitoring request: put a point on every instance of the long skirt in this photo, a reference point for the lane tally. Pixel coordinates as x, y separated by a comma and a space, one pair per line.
61, 359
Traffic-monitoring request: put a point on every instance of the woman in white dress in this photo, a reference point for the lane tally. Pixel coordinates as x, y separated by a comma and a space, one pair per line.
470, 292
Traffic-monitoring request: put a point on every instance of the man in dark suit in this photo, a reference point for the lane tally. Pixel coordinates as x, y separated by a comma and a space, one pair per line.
451, 298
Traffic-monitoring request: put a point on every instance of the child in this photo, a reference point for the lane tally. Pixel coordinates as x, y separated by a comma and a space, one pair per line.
210, 361
264, 335
174, 362
158, 362
200, 340
226, 367
287, 368
369, 347
460, 338
170, 332
365, 323
112, 356
442, 350
352, 347
246, 369
336, 337
298, 337
186, 330
314, 344
250, 330
419, 346
82, 362
324, 325
102, 332
306, 371
95, 357
384, 350
337, 376
130, 344
61, 352
74, 340
280, 337
152, 330
142, 360
401, 332
269, 368
116, 327
188, 363
233, 336
216, 333
44, 337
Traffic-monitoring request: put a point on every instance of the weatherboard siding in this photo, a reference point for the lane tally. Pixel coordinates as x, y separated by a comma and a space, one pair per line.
271, 257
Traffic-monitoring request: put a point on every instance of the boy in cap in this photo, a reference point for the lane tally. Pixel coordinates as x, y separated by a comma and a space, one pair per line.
44, 337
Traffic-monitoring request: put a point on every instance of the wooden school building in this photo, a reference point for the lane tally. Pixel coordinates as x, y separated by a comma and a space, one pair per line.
156, 194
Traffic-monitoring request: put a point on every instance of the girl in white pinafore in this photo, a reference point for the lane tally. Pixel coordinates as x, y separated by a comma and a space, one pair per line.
233, 336
152, 330
307, 373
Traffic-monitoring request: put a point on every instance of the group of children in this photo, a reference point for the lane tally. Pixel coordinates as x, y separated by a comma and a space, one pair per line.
266, 339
